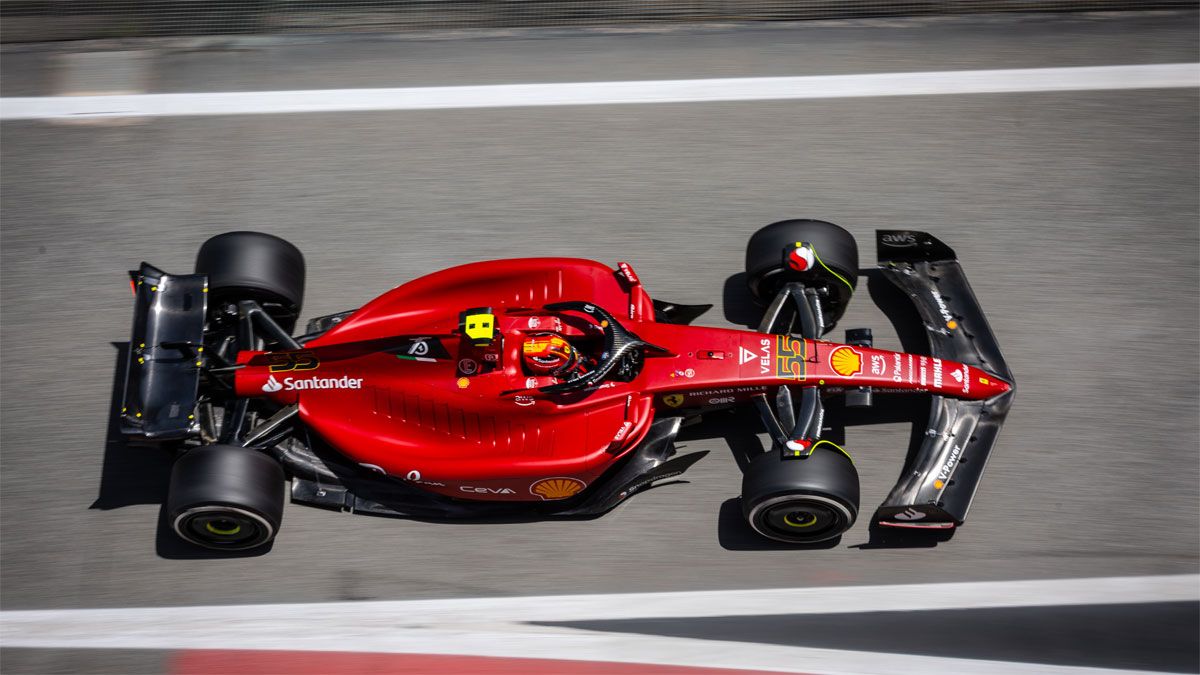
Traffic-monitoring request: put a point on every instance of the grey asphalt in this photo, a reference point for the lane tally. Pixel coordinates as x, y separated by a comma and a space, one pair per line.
1075, 216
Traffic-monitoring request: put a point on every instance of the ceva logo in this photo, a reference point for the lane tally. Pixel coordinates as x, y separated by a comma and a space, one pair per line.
272, 385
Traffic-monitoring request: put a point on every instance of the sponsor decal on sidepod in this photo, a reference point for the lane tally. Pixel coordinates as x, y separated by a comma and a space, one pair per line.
294, 384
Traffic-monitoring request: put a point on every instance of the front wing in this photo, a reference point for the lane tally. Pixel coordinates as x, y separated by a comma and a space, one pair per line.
939, 480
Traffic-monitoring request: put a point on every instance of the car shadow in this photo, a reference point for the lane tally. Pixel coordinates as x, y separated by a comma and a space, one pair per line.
130, 475
739, 305
133, 475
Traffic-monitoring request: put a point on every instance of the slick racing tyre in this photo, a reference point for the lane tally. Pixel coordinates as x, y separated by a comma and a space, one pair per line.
830, 261
225, 497
254, 266
801, 501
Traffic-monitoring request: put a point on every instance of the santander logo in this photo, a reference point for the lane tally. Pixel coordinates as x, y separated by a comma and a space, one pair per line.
293, 384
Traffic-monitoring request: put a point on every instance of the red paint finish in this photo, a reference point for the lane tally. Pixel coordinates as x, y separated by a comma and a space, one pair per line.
206, 662
397, 386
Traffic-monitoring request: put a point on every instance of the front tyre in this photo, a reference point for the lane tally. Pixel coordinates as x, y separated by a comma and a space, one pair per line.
801, 501
226, 497
833, 268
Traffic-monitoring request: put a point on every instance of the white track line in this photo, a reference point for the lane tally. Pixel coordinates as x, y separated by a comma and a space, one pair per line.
498, 626
1158, 76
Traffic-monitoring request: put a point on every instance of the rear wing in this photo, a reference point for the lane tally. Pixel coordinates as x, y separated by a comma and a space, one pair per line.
165, 354
938, 483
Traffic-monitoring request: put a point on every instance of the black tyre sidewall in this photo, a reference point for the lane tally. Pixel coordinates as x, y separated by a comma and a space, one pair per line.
827, 477
254, 266
210, 480
766, 272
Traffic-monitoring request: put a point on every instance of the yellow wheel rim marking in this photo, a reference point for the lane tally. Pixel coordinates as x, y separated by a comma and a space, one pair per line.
216, 530
788, 519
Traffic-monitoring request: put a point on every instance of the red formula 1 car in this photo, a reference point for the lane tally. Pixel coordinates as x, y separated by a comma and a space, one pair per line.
545, 387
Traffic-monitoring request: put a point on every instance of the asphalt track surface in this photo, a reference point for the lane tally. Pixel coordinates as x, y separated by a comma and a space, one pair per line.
1074, 214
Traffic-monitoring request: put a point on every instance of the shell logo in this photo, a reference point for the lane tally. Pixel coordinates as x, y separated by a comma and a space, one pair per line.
845, 361
557, 488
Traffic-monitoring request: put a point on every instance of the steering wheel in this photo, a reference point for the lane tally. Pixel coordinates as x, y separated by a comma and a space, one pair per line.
618, 343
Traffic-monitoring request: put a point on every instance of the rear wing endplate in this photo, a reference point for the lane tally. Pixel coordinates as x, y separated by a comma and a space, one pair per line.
938, 483
165, 354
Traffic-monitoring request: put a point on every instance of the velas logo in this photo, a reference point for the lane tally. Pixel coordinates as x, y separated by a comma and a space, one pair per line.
294, 384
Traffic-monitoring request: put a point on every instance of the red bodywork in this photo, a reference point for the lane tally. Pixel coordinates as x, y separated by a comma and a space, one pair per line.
460, 420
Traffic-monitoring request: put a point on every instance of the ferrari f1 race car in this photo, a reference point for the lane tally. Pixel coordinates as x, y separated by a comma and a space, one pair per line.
544, 387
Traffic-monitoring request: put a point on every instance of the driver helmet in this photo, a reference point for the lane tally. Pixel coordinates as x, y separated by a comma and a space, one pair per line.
548, 354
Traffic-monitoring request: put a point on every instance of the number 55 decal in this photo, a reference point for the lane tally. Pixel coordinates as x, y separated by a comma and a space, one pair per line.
286, 361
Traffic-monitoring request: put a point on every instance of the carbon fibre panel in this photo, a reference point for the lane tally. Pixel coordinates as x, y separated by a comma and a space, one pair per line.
937, 485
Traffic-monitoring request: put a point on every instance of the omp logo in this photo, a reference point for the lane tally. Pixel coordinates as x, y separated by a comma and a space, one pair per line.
293, 384
899, 239
629, 273
909, 514
620, 435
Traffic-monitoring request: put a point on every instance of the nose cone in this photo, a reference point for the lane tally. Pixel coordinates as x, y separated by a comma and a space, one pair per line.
986, 385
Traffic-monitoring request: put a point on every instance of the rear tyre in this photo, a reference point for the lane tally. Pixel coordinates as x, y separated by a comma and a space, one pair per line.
225, 497
254, 266
801, 501
835, 266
